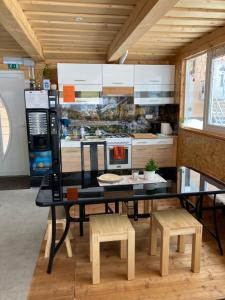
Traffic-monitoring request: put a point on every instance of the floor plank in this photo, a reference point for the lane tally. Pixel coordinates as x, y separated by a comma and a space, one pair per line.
71, 277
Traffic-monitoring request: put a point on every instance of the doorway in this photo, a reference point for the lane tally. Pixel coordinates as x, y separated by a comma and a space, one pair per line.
14, 159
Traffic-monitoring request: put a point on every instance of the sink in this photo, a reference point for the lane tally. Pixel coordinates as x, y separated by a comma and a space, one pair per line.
92, 137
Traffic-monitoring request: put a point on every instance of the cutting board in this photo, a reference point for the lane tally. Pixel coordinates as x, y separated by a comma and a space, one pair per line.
144, 136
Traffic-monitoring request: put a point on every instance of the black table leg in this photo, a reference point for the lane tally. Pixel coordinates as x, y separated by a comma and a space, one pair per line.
116, 207
54, 247
81, 219
215, 225
106, 208
52, 250
135, 210
200, 206
215, 233
182, 202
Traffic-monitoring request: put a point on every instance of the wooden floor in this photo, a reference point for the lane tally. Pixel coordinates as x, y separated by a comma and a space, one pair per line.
71, 277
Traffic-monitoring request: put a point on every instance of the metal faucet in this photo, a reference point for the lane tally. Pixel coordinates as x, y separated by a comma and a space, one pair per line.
82, 130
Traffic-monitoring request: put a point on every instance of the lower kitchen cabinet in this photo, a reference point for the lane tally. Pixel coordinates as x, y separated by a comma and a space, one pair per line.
71, 159
164, 154
140, 155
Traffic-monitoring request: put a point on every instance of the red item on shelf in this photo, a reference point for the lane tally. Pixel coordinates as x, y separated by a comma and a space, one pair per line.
119, 152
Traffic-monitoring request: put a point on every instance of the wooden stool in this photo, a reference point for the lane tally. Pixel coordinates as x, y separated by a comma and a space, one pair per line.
60, 215
175, 222
111, 227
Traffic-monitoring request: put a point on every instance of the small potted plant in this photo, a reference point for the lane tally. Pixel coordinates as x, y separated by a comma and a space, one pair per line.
150, 169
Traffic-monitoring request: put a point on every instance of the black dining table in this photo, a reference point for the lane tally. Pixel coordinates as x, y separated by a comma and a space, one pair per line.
181, 182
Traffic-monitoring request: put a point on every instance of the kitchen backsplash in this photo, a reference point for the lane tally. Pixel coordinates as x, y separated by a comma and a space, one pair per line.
118, 114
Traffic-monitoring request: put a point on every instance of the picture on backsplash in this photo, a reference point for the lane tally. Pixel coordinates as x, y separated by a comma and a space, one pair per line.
116, 114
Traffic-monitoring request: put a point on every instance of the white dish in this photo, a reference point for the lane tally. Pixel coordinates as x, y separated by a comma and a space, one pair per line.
110, 178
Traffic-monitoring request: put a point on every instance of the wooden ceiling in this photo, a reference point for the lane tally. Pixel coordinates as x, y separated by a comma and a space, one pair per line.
64, 38
102, 30
186, 22
8, 46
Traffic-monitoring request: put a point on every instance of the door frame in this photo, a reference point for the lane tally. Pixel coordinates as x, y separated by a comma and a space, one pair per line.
4, 74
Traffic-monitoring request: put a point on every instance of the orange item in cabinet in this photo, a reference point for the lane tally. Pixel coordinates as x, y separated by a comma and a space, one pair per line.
68, 93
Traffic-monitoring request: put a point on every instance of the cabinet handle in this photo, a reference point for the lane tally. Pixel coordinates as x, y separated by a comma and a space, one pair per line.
80, 80
163, 147
117, 82
154, 80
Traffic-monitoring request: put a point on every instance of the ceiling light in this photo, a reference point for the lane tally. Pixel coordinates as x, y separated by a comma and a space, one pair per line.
78, 19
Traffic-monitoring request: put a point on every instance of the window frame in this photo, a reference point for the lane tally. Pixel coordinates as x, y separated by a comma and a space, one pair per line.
209, 79
185, 87
214, 129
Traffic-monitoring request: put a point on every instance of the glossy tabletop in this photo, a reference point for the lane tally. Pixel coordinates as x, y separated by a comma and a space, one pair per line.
180, 182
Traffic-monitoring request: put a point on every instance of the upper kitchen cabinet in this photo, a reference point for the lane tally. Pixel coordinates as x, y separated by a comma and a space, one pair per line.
118, 75
79, 74
154, 74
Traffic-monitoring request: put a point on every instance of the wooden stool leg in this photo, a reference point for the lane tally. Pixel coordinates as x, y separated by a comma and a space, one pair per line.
68, 247
131, 255
154, 205
95, 259
124, 208
48, 243
164, 255
181, 243
67, 242
46, 234
146, 206
90, 234
123, 249
153, 237
196, 250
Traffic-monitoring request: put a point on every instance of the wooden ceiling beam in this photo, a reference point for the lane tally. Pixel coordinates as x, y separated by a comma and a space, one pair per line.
15, 22
210, 40
143, 17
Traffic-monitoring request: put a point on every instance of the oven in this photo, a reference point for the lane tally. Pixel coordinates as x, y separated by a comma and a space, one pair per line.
118, 154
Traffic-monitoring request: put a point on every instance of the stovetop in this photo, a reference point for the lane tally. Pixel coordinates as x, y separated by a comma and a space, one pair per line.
118, 138
117, 135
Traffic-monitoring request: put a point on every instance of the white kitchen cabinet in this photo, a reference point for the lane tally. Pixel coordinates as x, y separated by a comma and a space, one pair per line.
152, 94
81, 74
118, 75
154, 74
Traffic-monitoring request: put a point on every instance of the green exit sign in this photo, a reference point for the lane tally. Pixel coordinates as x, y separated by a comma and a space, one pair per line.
13, 66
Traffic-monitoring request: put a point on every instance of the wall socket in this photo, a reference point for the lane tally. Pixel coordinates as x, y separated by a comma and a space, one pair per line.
149, 117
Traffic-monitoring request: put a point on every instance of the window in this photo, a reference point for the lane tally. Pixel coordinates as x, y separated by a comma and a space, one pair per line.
4, 127
195, 91
204, 106
216, 104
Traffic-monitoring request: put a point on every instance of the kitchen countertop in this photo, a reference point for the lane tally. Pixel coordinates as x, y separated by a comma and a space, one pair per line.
160, 139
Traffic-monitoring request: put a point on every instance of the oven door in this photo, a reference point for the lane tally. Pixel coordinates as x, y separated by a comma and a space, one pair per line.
118, 157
